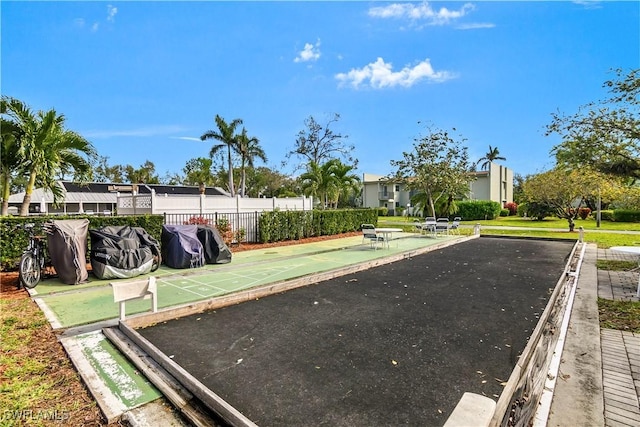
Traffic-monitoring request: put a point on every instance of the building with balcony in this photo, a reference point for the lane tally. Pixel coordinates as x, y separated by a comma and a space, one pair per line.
495, 184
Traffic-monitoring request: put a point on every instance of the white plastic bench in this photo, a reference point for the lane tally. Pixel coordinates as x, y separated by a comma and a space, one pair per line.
136, 289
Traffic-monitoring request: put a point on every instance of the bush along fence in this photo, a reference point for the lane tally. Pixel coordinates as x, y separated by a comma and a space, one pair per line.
250, 227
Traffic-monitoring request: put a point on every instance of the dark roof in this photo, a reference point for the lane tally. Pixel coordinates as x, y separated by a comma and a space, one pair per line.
106, 187
179, 189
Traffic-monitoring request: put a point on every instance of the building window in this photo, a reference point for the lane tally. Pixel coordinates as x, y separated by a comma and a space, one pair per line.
397, 187
397, 204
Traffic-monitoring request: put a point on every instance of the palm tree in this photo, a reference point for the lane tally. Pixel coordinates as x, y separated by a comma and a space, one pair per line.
492, 155
249, 148
47, 150
226, 134
319, 181
347, 182
10, 136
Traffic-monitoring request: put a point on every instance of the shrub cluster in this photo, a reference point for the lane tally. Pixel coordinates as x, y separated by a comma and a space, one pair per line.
625, 215
478, 209
512, 207
294, 225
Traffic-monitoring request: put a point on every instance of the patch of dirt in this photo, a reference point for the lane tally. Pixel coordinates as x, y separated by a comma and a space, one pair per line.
45, 345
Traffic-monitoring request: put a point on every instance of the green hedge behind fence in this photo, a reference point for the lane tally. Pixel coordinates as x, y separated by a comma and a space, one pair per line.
14, 240
478, 209
293, 225
624, 215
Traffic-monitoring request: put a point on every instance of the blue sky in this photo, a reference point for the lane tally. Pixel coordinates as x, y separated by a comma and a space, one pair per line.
143, 80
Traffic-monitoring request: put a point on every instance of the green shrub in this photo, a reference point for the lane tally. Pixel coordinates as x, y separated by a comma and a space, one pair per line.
505, 212
522, 209
606, 215
539, 211
478, 209
383, 211
625, 215
294, 225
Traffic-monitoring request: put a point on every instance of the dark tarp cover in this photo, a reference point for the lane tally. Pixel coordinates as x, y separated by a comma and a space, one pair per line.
67, 244
215, 250
181, 247
122, 252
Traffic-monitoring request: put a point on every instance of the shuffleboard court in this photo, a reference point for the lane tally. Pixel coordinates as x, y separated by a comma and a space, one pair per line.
68, 306
397, 344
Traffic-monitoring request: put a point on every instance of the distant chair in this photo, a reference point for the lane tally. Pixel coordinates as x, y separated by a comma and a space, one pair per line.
369, 233
455, 225
429, 226
442, 226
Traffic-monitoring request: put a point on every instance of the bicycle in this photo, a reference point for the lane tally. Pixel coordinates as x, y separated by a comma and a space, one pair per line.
34, 262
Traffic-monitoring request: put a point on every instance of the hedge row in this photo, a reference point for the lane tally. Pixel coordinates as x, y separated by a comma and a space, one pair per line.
294, 225
478, 209
14, 239
624, 215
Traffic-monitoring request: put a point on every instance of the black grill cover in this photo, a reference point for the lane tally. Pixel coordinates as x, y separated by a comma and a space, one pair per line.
215, 250
181, 247
67, 243
122, 252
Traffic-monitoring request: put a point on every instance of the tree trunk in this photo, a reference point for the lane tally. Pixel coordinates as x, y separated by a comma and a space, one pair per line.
6, 192
24, 209
231, 189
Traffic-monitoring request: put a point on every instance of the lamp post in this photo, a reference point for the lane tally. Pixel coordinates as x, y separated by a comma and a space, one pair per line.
408, 209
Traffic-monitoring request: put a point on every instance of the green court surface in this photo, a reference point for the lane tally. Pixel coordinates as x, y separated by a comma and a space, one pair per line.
115, 382
68, 306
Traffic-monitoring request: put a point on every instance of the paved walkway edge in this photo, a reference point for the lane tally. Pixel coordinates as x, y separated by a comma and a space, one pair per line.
578, 395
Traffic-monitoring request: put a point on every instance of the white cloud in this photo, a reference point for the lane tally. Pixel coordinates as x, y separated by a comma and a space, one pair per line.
111, 13
95, 27
420, 12
379, 75
139, 132
79, 22
309, 53
185, 138
588, 4
475, 26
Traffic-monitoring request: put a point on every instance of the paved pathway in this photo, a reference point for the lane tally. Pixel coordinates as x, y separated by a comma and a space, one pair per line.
620, 349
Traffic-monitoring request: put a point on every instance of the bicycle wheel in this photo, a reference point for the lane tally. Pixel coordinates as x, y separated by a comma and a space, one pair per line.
157, 260
29, 271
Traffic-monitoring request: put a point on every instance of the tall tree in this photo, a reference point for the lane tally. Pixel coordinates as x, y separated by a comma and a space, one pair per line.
249, 149
226, 134
198, 172
48, 150
318, 143
604, 135
438, 166
320, 182
492, 155
267, 182
10, 137
347, 182
563, 191
103, 172
145, 174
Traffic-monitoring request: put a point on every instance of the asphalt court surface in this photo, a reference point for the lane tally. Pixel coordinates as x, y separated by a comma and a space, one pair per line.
92, 302
397, 344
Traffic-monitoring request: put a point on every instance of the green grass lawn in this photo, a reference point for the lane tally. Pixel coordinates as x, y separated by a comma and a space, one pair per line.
607, 235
